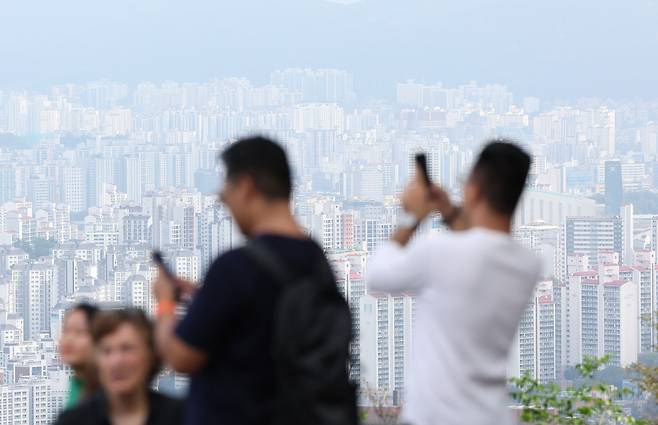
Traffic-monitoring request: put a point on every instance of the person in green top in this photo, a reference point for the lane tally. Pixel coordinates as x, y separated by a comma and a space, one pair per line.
76, 350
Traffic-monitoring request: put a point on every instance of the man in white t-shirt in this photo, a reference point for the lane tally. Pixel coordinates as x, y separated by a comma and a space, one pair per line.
472, 284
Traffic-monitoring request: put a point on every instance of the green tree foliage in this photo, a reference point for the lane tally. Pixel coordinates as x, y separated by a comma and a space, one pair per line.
37, 248
591, 403
647, 380
11, 141
72, 140
644, 202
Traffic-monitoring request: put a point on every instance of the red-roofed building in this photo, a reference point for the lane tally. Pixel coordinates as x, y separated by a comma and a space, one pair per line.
645, 257
603, 315
356, 276
589, 281
588, 273
349, 268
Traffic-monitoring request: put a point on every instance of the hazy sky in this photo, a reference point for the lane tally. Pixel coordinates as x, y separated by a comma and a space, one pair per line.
554, 48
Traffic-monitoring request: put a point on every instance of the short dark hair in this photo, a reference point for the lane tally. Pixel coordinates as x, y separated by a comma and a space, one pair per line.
501, 171
107, 322
264, 161
89, 310
88, 374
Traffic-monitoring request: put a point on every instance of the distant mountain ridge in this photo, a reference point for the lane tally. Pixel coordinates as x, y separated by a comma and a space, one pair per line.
552, 49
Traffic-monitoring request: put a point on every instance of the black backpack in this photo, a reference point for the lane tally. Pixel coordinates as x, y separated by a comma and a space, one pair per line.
312, 332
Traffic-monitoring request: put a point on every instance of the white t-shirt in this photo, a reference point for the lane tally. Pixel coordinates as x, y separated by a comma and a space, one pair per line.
472, 288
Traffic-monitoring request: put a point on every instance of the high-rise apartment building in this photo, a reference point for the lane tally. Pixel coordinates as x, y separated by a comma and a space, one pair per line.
74, 188
614, 192
7, 182
38, 287
547, 241
643, 274
316, 85
349, 268
15, 404
552, 208
136, 228
603, 313
593, 235
534, 349
185, 264
654, 233
386, 336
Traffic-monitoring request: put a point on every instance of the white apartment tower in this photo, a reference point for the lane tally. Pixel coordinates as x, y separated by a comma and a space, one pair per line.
534, 349
349, 270
603, 316
386, 339
38, 286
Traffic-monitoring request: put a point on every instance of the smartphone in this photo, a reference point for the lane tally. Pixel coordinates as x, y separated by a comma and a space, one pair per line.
421, 163
159, 260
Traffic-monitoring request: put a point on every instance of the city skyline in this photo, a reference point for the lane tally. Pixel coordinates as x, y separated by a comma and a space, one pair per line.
95, 175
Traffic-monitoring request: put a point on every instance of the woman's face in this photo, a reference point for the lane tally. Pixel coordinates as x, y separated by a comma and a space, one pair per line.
123, 360
75, 343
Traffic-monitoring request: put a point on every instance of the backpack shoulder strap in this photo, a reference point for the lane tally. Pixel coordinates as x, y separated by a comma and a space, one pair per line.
267, 259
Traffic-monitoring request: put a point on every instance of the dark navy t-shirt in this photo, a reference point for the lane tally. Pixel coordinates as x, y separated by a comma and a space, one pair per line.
231, 319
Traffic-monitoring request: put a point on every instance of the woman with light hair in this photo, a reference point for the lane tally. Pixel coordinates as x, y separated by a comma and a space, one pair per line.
127, 363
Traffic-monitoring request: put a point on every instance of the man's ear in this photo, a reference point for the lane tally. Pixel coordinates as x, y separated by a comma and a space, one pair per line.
248, 187
472, 192
477, 191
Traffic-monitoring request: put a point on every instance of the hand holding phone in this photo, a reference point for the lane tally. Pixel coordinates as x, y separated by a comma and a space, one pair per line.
438, 195
158, 259
421, 164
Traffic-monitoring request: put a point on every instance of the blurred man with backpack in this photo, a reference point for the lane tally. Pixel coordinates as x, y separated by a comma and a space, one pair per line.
266, 337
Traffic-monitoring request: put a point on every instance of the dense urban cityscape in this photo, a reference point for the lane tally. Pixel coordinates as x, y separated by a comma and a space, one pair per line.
94, 176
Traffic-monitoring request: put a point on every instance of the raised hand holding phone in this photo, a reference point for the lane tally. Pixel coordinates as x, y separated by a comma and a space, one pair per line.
440, 198
421, 167
158, 259
168, 278
416, 198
